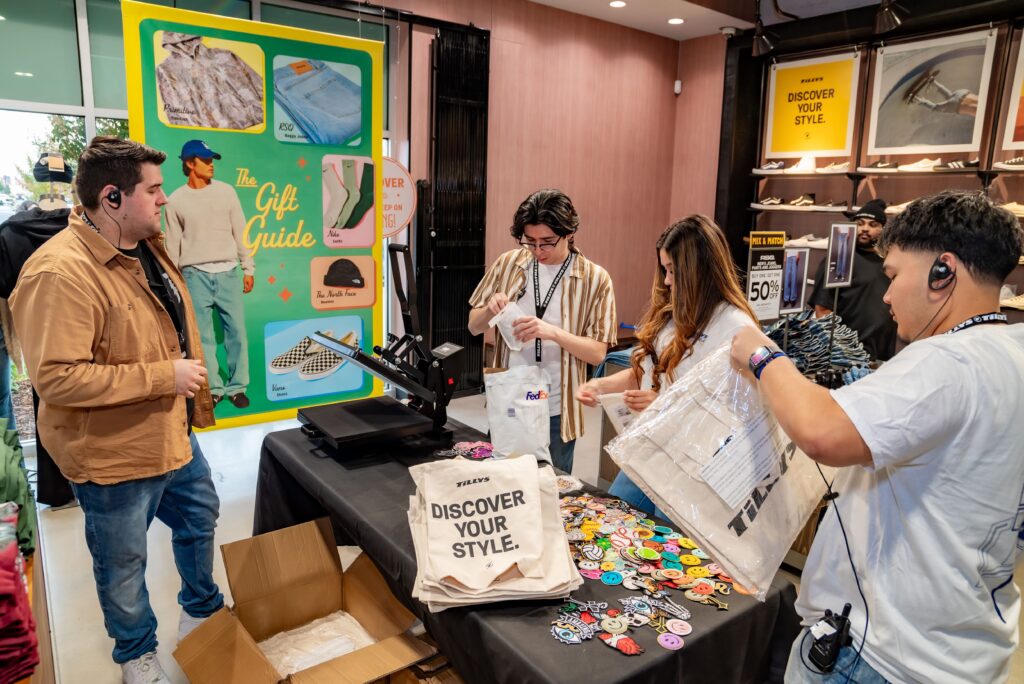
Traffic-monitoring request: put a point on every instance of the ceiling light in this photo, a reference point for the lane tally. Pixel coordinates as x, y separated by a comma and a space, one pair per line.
889, 16
617, 3
676, 20
3, 18
23, 73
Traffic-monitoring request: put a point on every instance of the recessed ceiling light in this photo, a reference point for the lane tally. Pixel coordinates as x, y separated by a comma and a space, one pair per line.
23, 73
617, 3
3, 18
676, 20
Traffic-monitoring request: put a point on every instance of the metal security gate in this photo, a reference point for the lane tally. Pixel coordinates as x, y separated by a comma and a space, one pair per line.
450, 241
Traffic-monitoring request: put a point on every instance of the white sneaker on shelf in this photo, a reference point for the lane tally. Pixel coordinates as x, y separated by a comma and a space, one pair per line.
805, 165
894, 209
144, 670
770, 168
1013, 302
922, 165
187, 623
1016, 209
834, 167
810, 240
1015, 164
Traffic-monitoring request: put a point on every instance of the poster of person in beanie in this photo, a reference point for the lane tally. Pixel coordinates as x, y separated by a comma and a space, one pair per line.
206, 240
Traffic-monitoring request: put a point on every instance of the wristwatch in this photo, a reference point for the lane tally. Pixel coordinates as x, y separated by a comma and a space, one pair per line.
761, 357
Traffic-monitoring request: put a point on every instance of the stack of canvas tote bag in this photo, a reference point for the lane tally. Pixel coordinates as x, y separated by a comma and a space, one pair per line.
488, 531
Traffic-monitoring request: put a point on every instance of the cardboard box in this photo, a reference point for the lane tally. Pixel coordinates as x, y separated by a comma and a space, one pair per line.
283, 580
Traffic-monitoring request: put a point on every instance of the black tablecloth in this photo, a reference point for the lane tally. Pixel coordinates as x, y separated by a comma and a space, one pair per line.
367, 499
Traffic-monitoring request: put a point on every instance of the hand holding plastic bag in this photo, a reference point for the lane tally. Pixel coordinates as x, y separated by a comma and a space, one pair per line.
711, 456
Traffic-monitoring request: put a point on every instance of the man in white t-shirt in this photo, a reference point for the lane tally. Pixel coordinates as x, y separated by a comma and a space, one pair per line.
931, 481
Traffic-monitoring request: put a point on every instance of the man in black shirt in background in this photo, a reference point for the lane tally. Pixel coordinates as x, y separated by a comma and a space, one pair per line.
860, 305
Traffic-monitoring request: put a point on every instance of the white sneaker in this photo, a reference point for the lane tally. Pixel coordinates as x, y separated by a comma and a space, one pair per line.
835, 167
925, 165
1015, 164
770, 168
1017, 209
186, 623
894, 209
144, 670
805, 165
1013, 302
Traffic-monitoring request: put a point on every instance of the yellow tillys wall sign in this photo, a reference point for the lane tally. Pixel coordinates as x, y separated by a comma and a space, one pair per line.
811, 107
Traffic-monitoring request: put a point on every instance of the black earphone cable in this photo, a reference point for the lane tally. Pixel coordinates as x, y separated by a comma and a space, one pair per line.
111, 217
939, 311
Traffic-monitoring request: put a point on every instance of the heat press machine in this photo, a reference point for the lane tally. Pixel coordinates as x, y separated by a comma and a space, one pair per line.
427, 376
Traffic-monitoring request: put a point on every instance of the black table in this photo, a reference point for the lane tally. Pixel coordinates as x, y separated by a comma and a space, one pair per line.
367, 499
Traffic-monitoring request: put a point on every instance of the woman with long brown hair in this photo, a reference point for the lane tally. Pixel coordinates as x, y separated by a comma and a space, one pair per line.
697, 305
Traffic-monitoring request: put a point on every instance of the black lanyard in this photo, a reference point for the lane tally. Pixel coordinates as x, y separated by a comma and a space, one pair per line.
543, 307
983, 319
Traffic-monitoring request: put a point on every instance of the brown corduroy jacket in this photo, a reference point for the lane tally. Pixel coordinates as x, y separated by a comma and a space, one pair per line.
100, 347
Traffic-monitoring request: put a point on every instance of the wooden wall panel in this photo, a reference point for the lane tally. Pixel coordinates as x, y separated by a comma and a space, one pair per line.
587, 106
698, 125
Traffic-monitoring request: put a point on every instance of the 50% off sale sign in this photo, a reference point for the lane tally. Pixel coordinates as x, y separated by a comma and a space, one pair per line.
764, 273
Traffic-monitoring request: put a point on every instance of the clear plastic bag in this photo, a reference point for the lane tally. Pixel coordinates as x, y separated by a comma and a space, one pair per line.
509, 315
711, 456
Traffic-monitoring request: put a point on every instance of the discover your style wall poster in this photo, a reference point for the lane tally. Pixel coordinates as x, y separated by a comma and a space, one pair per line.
273, 138
811, 105
929, 96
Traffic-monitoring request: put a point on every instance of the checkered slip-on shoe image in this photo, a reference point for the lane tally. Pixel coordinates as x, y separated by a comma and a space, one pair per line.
326, 362
296, 356
321, 365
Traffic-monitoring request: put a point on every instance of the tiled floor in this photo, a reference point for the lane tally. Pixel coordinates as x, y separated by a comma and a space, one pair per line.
82, 648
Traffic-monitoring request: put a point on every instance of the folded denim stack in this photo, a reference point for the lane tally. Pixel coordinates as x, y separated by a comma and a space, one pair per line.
808, 343
19, 646
486, 531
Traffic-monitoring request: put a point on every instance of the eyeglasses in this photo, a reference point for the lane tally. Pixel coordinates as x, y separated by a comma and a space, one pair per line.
539, 246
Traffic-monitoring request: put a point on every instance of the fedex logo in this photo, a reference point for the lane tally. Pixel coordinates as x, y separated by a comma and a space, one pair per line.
536, 396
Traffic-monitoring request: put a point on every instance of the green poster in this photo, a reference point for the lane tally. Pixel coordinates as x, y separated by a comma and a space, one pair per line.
273, 138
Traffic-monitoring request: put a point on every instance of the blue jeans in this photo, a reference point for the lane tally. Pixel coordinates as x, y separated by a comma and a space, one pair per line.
842, 256
790, 281
117, 518
220, 294
6, 405
625, 489
325, 105
848, 668
561, 452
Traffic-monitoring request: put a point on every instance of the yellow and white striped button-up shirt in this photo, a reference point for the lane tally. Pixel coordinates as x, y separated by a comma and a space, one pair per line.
588, 310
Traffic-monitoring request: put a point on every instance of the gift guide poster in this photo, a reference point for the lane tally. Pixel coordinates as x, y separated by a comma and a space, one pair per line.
297, 119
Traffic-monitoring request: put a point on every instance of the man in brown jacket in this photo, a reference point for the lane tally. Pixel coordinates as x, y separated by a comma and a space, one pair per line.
113, 350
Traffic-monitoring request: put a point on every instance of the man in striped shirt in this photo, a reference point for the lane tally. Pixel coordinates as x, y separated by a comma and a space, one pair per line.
569, 305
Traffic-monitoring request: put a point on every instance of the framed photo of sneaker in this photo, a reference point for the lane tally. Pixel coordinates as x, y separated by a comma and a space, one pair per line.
841, 245
811, 108
929, 96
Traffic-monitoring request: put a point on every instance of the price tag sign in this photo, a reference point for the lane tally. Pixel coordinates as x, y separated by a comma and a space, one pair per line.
764, 273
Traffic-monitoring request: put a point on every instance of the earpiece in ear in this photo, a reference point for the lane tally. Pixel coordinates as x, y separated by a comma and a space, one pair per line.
114, 197
940, 275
